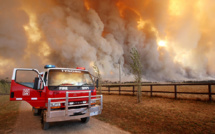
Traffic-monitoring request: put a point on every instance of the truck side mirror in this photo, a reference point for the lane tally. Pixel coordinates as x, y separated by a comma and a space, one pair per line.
36, 80
97, 83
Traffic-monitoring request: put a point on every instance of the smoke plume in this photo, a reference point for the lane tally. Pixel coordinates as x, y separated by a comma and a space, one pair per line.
175, 38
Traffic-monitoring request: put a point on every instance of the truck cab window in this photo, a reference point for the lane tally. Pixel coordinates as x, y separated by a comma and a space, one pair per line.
66, 78
26, 78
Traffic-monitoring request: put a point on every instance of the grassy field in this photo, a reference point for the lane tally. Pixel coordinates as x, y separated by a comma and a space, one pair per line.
8, 114
158, 115
193, 88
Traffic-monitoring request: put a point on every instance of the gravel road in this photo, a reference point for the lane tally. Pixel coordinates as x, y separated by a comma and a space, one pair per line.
27, 123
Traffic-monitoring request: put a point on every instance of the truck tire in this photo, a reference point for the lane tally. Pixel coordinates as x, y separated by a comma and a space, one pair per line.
45, 125
85, 120
39, 111
35, 111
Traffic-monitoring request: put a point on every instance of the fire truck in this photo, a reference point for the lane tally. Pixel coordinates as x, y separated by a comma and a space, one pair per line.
57, 94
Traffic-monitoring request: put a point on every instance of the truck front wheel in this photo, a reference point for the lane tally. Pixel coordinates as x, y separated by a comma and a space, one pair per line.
45, 125
85, 120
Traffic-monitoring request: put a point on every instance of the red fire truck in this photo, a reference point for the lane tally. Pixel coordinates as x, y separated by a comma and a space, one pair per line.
57, 94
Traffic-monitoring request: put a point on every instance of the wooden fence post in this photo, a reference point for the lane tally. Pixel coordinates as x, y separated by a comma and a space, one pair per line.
175, 91
109, 90
209, 92
120, 90
151, 90
133, 90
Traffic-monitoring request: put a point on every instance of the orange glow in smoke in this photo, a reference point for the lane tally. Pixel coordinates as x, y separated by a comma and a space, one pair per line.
161, 43
121, 8
140, 24
87, 4
111, 73
36, 44
32, 29
176, 7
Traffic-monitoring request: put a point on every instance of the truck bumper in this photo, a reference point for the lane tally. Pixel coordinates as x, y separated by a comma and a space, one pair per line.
62, 115
73, 111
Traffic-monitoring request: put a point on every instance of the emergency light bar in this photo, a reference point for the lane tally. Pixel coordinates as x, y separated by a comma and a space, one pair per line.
49, 66
82, 68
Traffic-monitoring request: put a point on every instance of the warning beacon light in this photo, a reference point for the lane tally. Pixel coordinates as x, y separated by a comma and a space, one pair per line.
81, 68
49, 66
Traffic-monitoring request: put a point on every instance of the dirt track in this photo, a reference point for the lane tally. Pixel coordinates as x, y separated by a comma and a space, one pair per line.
27, 123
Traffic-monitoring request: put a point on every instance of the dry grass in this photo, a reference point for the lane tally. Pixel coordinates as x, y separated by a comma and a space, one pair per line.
8, 114
4, 88
158, 115
193, 88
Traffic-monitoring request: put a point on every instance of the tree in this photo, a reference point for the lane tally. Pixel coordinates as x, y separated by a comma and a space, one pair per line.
96, 69
136, 68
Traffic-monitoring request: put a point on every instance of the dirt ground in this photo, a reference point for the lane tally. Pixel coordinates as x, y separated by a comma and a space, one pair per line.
27, 123
159, 115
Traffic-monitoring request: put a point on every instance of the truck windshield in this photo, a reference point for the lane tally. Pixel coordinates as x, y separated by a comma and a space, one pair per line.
66, 77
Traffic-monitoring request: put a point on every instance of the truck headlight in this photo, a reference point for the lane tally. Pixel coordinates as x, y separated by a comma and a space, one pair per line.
55, 104
93, 101
71, 103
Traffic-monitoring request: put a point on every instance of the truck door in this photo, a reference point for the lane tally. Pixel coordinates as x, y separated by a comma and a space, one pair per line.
27, 85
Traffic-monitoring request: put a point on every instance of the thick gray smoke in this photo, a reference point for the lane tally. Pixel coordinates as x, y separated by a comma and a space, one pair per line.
71, 33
